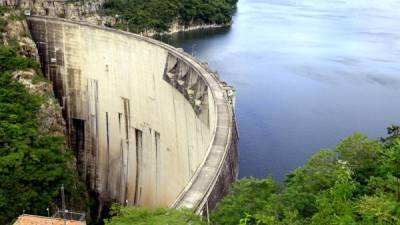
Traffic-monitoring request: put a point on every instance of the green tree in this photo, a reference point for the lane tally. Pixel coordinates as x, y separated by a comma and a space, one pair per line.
362, 156
335, 205
247, 196
391, 165
319, 174
393, 134
356, 183
379, 210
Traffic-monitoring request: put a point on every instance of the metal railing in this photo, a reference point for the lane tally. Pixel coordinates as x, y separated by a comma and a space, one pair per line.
68, 215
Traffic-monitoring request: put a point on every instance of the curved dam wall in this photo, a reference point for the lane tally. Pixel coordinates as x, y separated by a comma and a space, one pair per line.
149, 125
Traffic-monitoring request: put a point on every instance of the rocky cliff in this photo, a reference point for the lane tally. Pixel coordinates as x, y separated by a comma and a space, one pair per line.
74, 10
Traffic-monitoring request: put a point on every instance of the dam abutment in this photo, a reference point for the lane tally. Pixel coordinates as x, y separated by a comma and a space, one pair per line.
149, 125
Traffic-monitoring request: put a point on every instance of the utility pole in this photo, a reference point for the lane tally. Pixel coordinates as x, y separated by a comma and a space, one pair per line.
63, 203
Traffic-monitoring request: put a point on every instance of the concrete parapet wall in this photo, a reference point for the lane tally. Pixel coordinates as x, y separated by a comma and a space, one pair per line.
150, 125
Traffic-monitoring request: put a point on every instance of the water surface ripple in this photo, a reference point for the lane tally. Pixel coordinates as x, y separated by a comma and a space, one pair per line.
307, 74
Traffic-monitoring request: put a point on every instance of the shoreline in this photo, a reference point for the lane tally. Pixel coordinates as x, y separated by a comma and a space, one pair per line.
174, 29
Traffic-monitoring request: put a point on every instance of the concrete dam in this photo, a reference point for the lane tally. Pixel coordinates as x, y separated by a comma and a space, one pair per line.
149, 125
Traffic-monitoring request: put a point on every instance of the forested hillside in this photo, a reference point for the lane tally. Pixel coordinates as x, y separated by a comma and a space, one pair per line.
158, 15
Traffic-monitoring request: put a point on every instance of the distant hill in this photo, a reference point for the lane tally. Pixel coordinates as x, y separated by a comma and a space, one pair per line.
161, 15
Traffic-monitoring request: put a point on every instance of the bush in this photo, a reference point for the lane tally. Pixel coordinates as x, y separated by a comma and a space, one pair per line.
143, 216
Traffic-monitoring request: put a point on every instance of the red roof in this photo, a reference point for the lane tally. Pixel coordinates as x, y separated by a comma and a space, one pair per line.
40, 220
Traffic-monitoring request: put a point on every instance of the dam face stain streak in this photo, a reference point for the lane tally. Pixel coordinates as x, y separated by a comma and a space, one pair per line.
307, 72
127, 122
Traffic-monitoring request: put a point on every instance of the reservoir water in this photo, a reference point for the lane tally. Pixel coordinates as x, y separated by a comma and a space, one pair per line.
307, 73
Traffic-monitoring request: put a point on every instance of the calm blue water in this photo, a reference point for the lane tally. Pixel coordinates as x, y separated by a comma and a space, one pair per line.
307, 74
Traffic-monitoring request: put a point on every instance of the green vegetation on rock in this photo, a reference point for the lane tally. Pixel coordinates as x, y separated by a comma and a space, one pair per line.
158, 15
32, 165
143, 216
3, 22
358, 182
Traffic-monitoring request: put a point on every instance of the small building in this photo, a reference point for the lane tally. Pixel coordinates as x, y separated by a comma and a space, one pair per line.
26, 219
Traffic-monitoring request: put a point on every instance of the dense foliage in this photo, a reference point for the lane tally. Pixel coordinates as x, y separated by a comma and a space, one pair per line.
358, 182
143, 216
158, 15
32, 166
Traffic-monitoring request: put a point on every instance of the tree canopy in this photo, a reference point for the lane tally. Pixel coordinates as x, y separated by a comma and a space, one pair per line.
358, 182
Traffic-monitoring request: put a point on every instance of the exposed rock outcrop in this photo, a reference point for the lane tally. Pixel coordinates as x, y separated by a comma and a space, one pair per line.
74, 10
17, 35
49, 115
178, 27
